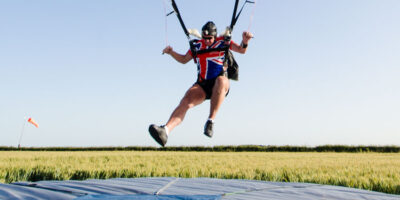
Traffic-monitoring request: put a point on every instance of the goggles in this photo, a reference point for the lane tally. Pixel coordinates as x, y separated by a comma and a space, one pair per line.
207, 38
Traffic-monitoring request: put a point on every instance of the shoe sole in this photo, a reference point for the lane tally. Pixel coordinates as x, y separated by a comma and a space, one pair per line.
208, 135
156, 137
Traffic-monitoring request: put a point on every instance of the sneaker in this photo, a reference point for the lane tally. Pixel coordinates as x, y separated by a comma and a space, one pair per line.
159, 134
208, 128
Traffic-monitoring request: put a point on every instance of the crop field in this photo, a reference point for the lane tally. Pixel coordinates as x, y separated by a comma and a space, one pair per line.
370, 171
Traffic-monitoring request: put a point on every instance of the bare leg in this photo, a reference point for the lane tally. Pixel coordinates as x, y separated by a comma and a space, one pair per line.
220, 89
193, 97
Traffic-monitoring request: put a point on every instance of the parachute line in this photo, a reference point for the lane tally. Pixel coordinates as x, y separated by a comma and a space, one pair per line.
252, 15
166, 22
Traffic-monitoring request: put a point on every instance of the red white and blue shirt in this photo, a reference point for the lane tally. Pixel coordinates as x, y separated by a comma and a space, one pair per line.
210, 65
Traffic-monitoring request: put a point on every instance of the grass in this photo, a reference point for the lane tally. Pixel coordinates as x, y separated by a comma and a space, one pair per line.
371, 171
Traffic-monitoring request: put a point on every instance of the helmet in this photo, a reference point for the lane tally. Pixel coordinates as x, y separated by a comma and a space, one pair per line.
209, 29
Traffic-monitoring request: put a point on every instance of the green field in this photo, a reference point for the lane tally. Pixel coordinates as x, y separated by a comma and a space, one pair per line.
371, 171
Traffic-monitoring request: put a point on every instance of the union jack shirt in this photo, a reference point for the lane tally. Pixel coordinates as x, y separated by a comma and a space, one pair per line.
210, 65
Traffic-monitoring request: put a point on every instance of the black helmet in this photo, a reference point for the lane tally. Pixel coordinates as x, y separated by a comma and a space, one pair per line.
209, 29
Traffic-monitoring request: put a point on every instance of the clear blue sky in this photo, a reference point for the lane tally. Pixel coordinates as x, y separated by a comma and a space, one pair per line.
91, 73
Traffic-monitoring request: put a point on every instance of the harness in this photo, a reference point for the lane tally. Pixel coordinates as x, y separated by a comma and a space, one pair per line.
229, 60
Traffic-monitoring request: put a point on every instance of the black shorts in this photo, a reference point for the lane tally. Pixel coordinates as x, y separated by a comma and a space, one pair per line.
208, 85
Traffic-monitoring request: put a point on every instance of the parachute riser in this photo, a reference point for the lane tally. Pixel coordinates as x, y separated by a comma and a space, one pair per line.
236, 17
228, 31
180, 18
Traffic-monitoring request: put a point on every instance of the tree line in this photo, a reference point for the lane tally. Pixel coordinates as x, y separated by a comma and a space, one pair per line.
239, 148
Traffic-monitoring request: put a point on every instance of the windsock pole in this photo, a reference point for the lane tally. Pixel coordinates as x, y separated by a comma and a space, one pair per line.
22, 132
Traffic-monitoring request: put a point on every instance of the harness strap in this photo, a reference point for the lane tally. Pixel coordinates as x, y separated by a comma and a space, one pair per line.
193, 50
224, 48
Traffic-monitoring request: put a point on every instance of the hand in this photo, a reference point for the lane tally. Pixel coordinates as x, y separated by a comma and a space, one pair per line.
246, 37
168, 50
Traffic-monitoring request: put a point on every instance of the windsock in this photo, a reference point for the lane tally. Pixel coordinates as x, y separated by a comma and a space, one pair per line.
30, 120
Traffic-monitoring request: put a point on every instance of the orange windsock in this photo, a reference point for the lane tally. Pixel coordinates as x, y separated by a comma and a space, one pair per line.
30, 120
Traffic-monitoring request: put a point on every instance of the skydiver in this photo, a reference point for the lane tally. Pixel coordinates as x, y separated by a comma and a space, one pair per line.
212, 81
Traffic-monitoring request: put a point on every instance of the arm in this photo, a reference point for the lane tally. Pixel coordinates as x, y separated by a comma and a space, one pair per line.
243, 46
178, 57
